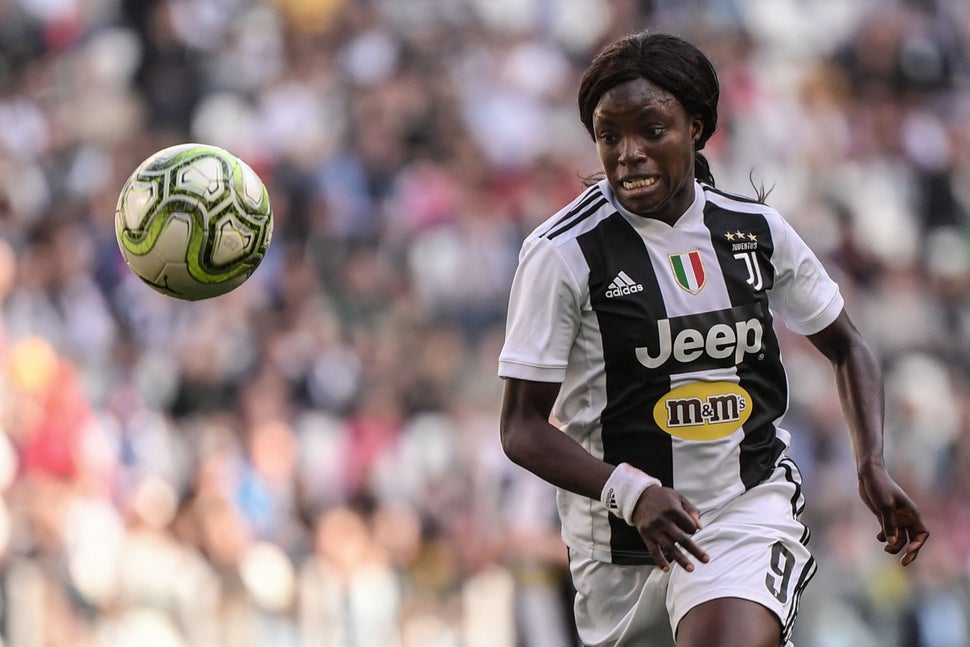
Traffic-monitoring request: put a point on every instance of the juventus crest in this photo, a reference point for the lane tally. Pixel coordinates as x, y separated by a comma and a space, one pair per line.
745, 248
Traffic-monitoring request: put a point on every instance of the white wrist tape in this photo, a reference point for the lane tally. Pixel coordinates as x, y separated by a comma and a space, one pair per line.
623, 490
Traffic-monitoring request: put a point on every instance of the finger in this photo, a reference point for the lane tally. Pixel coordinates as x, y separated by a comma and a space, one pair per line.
694, 515
912, 552
659, 557
918, 538
678, 556
688, 544
888, 522
894, 546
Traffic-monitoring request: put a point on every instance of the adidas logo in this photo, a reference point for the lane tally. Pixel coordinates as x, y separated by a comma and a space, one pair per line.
623, 285
611, 500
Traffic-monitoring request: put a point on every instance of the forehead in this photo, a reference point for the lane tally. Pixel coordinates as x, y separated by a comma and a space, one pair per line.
634, 97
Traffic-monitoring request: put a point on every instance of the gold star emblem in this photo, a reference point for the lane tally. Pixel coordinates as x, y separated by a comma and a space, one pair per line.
752, 237
738, 234
729, 236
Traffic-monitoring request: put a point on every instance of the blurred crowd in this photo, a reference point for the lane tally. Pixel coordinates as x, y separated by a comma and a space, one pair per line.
313, 459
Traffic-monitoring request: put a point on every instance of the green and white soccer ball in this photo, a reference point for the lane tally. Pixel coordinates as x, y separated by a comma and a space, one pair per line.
193, 221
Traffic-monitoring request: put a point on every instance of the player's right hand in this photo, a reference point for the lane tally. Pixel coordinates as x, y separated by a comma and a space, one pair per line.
667, 521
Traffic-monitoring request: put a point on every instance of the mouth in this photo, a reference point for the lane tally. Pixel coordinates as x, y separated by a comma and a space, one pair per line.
638, 183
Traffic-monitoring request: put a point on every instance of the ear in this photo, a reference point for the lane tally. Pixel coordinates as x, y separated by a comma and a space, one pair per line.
696, 129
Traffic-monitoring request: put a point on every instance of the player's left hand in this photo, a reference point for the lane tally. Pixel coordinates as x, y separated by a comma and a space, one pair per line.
901, 527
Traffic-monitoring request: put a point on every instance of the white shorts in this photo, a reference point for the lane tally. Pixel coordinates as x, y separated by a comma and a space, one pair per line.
758, 552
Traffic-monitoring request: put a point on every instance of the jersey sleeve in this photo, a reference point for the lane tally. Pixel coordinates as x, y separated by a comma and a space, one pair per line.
543, 315
804, 296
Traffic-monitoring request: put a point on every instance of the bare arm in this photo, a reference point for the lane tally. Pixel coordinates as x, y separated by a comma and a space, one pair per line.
664, 519
860, 387
858, 379
532, 442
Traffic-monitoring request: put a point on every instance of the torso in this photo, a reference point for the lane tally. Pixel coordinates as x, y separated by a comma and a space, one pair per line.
675, 366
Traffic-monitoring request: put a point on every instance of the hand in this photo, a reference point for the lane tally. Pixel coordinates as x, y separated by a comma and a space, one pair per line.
901, 527
666, 521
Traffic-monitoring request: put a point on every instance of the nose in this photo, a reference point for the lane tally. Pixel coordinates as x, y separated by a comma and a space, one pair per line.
632, 151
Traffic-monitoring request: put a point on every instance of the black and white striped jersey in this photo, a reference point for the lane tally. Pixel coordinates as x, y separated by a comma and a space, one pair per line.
663, 342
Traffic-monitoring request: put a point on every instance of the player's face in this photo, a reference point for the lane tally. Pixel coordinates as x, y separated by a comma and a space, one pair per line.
645, 140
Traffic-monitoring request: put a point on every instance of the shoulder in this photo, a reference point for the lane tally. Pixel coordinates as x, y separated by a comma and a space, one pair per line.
740, 208
736, 203
582, 213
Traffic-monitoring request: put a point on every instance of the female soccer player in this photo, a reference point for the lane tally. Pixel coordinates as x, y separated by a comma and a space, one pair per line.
641, 317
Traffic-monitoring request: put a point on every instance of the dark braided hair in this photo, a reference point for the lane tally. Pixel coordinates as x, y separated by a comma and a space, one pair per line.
667, 61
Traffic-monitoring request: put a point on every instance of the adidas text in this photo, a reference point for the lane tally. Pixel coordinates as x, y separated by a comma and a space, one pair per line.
622, 285
626, 289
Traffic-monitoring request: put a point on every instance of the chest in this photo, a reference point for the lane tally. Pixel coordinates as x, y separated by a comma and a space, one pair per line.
680, 299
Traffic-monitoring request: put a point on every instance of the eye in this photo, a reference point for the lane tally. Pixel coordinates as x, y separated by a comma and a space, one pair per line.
608, 138
654, 132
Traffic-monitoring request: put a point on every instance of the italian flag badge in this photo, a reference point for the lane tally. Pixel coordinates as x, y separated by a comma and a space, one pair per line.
689, 271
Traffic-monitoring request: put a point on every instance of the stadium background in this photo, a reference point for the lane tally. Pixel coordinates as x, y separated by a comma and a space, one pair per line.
314, 459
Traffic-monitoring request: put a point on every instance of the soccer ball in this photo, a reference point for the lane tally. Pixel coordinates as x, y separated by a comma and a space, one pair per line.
193, 221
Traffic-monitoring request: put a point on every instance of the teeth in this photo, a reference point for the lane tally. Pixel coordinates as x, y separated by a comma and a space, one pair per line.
639, 183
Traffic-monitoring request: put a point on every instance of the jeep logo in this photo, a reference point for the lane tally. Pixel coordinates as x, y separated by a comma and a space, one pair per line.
720, 341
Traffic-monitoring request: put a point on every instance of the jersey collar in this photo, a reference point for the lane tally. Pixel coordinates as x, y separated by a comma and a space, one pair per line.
691, 217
